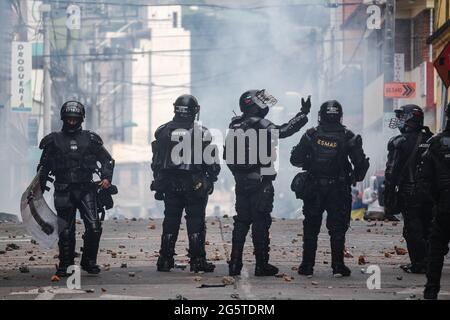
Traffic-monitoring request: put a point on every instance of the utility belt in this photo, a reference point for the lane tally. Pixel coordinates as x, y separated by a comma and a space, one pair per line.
81, 163
67, 187
251, 181
77, 175
182, 182
305, 183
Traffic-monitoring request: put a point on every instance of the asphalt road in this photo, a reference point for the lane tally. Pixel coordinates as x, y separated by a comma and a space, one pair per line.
129, 250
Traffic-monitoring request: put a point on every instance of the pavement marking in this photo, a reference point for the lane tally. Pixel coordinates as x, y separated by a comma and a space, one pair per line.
47, 293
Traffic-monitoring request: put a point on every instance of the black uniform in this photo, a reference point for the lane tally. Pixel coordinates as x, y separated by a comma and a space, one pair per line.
254, 189
400, 178
324, 153
71, 155
183, 185
434, 182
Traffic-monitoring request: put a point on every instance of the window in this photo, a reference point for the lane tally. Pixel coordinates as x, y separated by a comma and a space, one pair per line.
175, 19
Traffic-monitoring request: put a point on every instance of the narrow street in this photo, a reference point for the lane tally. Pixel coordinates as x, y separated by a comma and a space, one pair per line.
129, 252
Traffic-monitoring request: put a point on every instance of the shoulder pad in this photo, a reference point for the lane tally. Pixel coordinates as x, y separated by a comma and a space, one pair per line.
349, 134
46, 141
435, 141
95, 138
159, 130
355, 141
310, 132
265, 124
396, 142
428, 132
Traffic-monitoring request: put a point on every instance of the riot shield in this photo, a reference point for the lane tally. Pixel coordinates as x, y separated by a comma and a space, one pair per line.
40, 221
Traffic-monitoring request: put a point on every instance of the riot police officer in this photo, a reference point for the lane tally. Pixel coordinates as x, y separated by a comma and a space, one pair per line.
183, 184
401, 167
254, 180
71, 155
324, 153
434, 184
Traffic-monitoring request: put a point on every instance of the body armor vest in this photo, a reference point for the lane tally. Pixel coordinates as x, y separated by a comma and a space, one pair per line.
73, 160
329, 158
183, 159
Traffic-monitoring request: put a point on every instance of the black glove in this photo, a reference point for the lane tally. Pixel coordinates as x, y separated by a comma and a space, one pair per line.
43, 182
159, 196
306, 105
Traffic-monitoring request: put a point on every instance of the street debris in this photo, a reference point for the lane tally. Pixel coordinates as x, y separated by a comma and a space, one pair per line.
131, 274
55, 278
347, 254
228, 280
24, 269
361, 260
12, 247
400, 251
235, 296
204, 285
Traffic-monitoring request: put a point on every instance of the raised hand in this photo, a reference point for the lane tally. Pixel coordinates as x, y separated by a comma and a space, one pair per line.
306, 105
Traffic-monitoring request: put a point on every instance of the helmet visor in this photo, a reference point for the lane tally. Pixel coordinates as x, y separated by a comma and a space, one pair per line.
264, 100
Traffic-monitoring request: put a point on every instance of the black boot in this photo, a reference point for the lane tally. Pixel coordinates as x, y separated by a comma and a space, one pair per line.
235, 263
434, 274
337, 257
263, 268
306, 268
90, 250
197, 254
166, 253
66, 255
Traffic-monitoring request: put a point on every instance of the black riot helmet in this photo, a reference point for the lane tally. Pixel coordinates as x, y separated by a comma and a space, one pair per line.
72, 114
73, 109
256, 103
409, 117
330, 112
186, 107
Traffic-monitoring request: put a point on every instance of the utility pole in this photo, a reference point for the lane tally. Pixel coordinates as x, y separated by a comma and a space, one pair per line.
389, 50
45, 10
